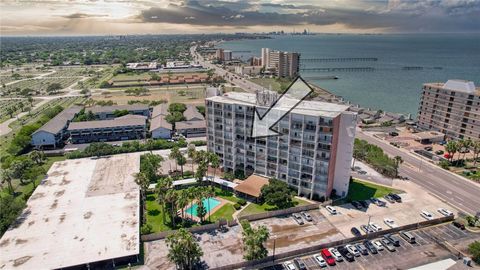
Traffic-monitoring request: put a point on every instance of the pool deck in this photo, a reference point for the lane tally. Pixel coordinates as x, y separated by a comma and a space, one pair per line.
212, 211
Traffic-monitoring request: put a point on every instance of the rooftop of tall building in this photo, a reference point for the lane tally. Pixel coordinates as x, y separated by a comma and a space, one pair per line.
457, 85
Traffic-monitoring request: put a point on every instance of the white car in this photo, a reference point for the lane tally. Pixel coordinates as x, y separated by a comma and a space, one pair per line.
375, 227
390, 223
331, 209
319, 259
445, 212
289, 265
378, 245
353, 250
427, 215
338, 257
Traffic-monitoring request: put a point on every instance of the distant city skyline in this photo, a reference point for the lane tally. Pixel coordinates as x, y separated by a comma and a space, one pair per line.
117, 17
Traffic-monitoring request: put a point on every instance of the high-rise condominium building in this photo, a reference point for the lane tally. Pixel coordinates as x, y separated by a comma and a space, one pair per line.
313, 154
285, 64
452, 108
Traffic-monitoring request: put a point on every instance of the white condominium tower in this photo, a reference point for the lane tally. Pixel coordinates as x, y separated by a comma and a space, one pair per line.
452, 108
313, 154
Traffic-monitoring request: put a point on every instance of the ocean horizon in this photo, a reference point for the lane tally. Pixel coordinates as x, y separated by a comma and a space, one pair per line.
383, 71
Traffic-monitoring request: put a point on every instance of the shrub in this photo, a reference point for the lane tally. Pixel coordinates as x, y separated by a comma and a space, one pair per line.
237, 206
242, 202
146, 229
474, 249
444, 164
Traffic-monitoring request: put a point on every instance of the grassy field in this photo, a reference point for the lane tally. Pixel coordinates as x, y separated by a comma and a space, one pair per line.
275, 84
225, 212
38, 85
174, 94
361, 190
254, 208
154, 214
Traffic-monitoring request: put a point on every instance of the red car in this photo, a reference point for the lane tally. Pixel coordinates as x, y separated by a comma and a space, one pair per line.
328, 257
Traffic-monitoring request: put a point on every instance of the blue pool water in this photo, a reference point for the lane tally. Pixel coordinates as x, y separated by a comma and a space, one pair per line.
209, 204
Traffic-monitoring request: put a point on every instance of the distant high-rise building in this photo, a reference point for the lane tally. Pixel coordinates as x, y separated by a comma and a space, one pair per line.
285, 64
227, 55
452, 108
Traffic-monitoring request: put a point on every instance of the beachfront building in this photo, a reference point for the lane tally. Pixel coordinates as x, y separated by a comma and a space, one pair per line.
313, 154
284, 64
108, 112
451, 108
54, 131
128, 127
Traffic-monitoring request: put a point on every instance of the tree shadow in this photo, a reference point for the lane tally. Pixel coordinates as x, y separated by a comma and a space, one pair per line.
154, 212
150, 198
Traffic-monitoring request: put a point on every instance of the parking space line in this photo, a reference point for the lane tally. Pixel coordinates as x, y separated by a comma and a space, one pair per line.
418, 237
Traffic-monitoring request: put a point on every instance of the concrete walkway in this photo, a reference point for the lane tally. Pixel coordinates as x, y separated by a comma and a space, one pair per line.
4, 127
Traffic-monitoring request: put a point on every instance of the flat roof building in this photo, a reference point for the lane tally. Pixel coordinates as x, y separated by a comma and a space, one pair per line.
451, 108
313, 154
55, 131
85, 214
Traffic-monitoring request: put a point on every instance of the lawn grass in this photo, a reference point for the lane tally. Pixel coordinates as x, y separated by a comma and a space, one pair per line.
254, 208
154, 214
225, 212
361, 190
225, 194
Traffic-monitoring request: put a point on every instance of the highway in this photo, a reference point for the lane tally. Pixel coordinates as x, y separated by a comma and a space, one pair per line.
460, 193
233, 78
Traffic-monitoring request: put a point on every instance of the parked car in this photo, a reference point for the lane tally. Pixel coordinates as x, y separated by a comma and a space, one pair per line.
352, 249
364, 204
393, 133
388, 245
366, 229
370, 246
319, 259
362, 249
331, 209
297, 218
390, 223
338, 257
306, 216
289, 265
428, 148
327, 256
378, 245
362, 172
299, 264
427, 215
378, 202
445, 212
439, 152
357, 205
355, 231
408, 236
389, 198
458, 225
396, 197
393, 239
346, 254
375, 227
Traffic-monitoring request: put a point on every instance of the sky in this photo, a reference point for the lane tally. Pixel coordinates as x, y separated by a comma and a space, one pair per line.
119, 17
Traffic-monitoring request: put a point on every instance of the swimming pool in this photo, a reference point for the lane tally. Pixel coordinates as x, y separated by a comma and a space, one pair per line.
209, 204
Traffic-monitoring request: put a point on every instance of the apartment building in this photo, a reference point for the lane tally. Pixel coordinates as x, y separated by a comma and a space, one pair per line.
108, 112
313, 154
451, 108
285, 64
128, 127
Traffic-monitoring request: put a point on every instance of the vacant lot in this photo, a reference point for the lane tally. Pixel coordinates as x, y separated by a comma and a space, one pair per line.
182, 94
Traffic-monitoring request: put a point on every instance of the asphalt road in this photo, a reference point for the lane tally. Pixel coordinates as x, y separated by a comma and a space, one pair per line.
456, 191
233, 78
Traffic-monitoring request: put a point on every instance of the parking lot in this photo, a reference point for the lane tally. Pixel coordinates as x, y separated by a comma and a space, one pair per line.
407, 255
414, 200
289, 235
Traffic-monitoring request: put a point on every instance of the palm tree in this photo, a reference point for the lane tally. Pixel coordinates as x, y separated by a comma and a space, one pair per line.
163, 186
209, 193
171, 198
200, 192
451, 147
37, 157
7, 177
174, 154
214, 162
182, 201
183, 250
476, 151
465, 146
143, 182
398, 160
181, 160
191, 154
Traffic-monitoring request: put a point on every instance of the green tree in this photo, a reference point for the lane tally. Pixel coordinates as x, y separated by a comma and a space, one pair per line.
171, 200
181, 160
150, 164
451, 147
474, 249
174, 155
7, 178
19, 168
183, 250
191, 154
277, 193
10, 208
53, 88
177, 107
210, 73
37, 156
398, 161
30, 100
163, 186
182, 201
214, 162
254, 241
143, 182
476, 151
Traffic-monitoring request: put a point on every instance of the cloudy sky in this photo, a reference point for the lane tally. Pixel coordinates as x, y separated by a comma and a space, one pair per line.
94, 17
